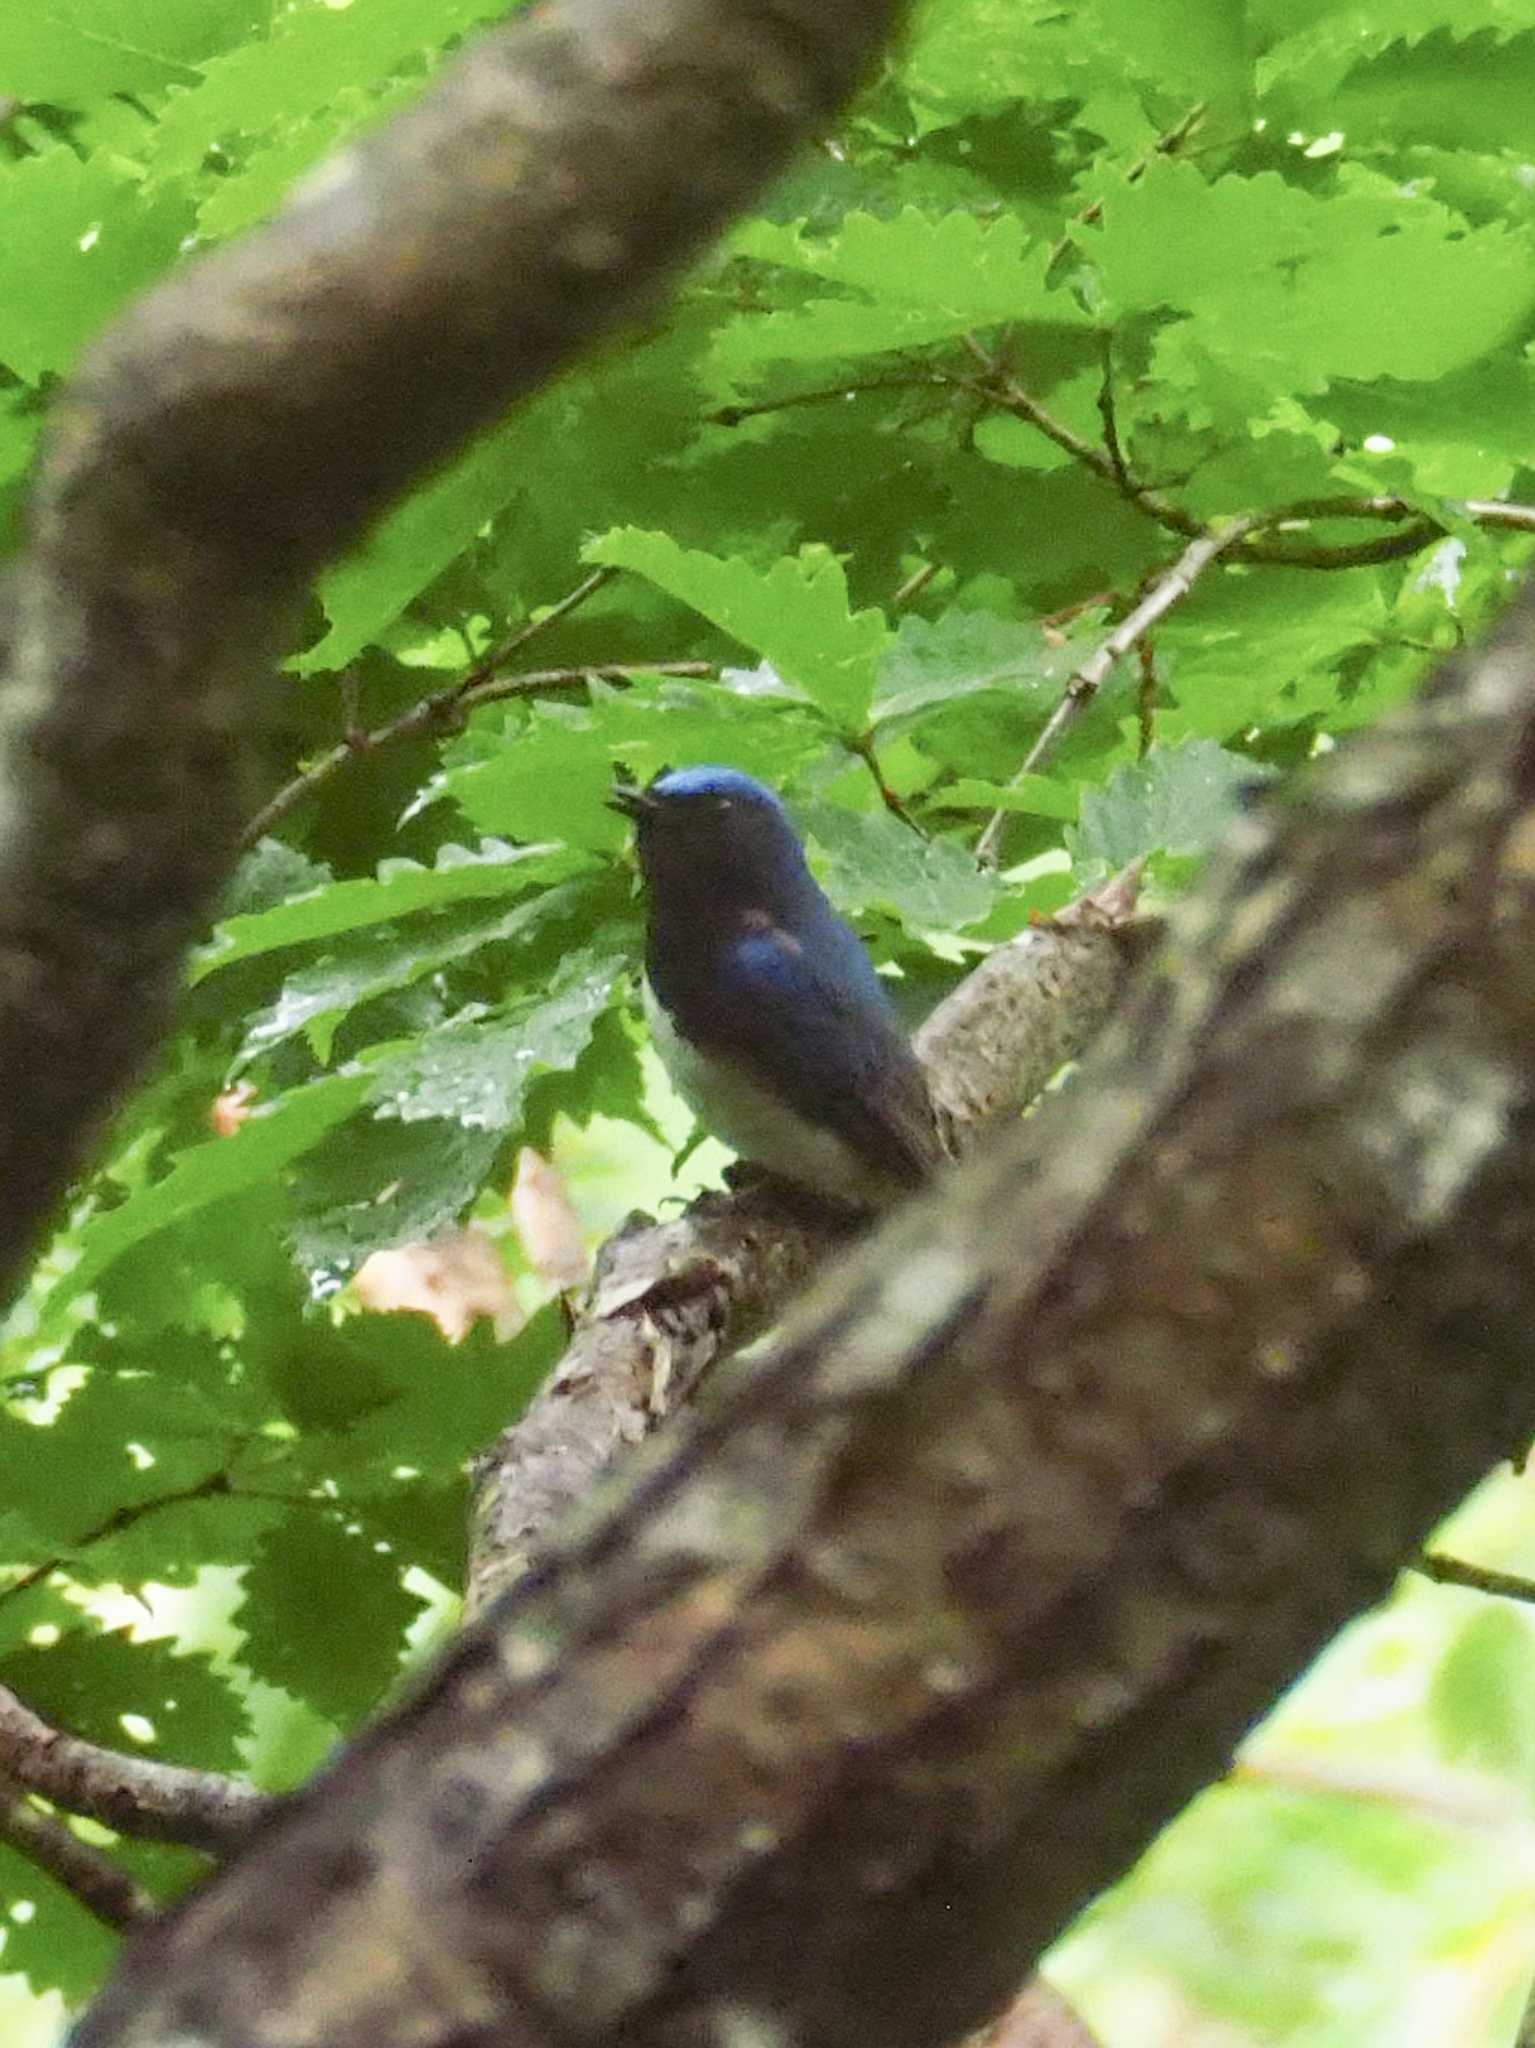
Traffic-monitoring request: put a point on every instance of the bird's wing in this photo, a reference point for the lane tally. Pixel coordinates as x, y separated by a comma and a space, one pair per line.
815, 1028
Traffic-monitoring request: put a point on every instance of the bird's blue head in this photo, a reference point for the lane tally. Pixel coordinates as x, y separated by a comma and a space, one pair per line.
713, 831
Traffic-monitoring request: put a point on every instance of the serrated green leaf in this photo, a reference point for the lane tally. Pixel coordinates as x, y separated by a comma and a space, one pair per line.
80, 239
549, 780
121, 1441
314, 1000
1179, 800
795, 615
70, 51
957, 268
446, 1401
412, 547
975, 56
963, 654
1311, 64
315, 56
874, 862
476, 1070
401, 888
91, 1678
268, 173
274, 1136
53, 1941
1287, 286
324, 1615
1036, 795
375, 1184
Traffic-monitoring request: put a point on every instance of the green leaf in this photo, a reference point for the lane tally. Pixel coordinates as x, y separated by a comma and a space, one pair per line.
920, 280
70, 51
795, 615
413, 546
212, 1172
1483, 1695
443, 1402
1287, 287
550, 779
314, 1000
964, 654
476, 1070
49, 1937
1036, 795
401, 888
874, 862
90, 1679
80, 239
317, 54
378, 1183
324, 1615
121, 1442
1178, 800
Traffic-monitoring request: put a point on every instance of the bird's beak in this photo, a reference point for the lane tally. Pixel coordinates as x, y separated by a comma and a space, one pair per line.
630, 802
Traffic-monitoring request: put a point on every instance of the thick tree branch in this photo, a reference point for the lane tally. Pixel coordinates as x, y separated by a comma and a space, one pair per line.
242, 425
827, 1720
670, 1299
158, 1802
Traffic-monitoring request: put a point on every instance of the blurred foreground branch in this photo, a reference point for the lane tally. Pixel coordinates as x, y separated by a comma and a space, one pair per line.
901, 1645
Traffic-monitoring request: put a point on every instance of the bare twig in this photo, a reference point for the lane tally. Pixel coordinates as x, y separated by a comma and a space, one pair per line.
1479, 1578
444, 710
826, 394
1146, 697
863, 747
113, 1525
1166, 144
1110, 418
914, 586
157, 1802
1168, 590
84, 1871
999, 387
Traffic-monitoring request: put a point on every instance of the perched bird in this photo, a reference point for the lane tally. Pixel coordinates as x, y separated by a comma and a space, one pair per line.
763, 1004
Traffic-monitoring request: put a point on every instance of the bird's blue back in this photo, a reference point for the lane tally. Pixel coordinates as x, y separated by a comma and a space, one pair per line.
754, 970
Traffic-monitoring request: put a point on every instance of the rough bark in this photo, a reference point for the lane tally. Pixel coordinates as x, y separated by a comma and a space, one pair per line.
824, 1723
669, 1299
243, 424
157, 1802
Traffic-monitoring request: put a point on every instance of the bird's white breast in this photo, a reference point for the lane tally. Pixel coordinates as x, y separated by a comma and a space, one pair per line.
742, 1114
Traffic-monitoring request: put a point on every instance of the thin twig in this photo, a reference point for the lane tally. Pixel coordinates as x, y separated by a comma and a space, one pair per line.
914, 586
1168, 590
863, 747
84, 1871
826, 394
113, 1525
438, 710
135, 1795
444, 710
1146, 697
1110, 418
1479, 1578
1166, 144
